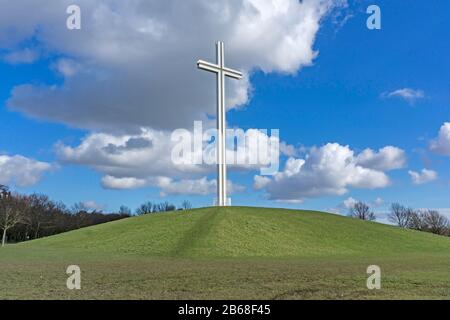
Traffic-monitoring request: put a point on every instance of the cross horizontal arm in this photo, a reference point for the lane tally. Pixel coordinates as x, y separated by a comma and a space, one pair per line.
208, 66
211, 67
233, 73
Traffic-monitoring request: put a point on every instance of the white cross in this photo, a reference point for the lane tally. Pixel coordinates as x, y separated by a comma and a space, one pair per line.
221, 71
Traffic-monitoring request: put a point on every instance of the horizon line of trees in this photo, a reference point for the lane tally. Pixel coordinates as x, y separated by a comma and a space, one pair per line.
28, 217
405, 217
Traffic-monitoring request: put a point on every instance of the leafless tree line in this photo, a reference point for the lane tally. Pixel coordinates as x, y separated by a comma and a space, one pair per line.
150, 207
423, 220
27, 217
404, 217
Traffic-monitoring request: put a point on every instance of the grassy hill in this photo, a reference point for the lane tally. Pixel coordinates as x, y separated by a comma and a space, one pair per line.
234, 252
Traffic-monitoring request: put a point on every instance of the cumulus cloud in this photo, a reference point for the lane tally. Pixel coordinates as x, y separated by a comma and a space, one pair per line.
132, 64
130, 76
387, 158
131, 158
408, 94
145, 159
423, 177
329, 170
441, 144
288, 149
21, 171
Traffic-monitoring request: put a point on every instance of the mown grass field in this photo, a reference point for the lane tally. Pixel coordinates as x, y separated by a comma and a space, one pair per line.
230, 253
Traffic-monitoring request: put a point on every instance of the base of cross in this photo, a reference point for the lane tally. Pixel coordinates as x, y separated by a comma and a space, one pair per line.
227, 203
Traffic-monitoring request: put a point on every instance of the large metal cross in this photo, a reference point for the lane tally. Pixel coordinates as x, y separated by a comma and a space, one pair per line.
221, 71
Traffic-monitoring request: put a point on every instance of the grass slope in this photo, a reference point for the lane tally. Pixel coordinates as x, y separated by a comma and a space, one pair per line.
234, 252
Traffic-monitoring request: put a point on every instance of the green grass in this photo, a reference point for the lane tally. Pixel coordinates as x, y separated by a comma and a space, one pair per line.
230, 253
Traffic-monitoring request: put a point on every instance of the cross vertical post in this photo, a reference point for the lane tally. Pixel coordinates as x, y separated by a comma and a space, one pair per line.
221, 72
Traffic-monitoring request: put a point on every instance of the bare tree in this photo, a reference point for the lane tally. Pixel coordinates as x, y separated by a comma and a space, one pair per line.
149, 207
79, 207
145, 208
435, 223
186, 205
36, 217
166, 206
124, 210
12, 211
400, 215
362, 211
416, 222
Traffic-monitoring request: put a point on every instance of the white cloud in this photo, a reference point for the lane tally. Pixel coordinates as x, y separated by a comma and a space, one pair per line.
408, 94
130, 74
378, 202
349, 203
130, 159
423, 177
67, 67
329, 170
92, 205
169, 186
387, 158
136, 60
25, 56
441, 144
288, 149
141, 160
261, 182
110, 182
201, 186
21, 171
344, 207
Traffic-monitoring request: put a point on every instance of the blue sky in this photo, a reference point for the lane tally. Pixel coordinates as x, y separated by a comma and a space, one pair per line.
341, 96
